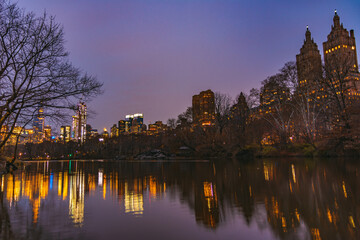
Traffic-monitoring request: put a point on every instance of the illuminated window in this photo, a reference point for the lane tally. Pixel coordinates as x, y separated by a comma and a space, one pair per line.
335, 48
353, 47
332, 49
326, 52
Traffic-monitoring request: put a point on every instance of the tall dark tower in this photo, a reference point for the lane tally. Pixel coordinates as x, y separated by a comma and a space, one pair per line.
308, 62
340, 45
39, 120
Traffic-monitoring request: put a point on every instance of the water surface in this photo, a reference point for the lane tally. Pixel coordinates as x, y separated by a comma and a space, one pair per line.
261, 199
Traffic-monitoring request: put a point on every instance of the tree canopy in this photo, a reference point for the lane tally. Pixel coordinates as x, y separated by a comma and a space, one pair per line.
35, 70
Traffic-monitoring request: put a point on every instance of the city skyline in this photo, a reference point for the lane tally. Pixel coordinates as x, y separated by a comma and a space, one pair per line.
153, 57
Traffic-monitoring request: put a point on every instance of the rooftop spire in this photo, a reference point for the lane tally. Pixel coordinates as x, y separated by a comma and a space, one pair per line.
307, 34
336, 19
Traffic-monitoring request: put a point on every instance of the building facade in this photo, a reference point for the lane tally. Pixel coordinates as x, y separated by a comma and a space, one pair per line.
340, 43
39, 122
65, 133
122, 126
79, 123
133, 123
47, 133
308, 63
114, 132
203, 107
341, 59
156, 128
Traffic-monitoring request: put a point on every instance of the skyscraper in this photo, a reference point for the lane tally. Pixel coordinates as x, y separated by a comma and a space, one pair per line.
134, 123
203, 106
79, 123
128, 123
39, 121
137, 124
114, 132
121, 126
308, 62
341, 58
65, 132
47, 132
340, 43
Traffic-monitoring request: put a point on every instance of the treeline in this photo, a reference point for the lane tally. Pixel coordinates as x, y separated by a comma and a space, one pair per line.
283, 117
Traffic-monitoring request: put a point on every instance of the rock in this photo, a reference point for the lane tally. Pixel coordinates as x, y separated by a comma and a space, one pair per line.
154, 154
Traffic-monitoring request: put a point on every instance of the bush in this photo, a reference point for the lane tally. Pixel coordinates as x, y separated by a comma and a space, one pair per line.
308, 150
268, 151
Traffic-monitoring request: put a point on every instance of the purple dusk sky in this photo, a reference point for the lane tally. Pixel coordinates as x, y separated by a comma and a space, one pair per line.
153, 55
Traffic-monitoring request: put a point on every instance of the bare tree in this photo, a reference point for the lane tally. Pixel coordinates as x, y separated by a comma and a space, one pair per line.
341, 88
171, 123
186, 118
307, 101
253, 98
223, 104
311, 105
276, 105
35, 70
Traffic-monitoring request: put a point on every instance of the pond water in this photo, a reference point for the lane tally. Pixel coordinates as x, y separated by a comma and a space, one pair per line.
260, 199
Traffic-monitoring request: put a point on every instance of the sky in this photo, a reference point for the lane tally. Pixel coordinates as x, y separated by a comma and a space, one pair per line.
154, 55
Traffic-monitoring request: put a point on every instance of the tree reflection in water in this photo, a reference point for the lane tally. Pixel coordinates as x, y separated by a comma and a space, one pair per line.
296, 199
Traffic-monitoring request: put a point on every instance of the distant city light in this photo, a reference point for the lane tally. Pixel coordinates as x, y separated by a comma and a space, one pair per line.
100, 177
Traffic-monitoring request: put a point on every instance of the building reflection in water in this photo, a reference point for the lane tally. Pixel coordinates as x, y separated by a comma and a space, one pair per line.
210, 214
316, 199
73, 186
76, 198
134, 201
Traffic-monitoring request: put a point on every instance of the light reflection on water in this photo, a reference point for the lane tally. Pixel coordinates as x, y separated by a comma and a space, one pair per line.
262, 199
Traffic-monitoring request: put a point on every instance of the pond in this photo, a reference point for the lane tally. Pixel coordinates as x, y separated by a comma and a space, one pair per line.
260, 199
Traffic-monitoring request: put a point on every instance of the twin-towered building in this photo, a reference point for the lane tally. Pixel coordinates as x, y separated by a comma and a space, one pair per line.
339, 57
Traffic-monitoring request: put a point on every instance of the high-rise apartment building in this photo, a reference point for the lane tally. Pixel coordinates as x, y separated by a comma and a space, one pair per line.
157, 127
128, 123
122, 126
114, 132
47, 132
65, 133
273, 93
340, 43
79, 123
340, 55
134, 123
203, 106
308, 62
75, 126
39, 122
